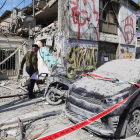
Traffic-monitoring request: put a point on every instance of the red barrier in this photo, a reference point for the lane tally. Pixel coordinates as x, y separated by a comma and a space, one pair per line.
91, 74
84, 123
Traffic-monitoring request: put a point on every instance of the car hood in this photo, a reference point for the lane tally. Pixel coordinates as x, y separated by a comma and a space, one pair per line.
98, 88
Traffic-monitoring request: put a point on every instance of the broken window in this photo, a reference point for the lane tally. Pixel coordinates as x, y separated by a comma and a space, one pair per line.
108, 16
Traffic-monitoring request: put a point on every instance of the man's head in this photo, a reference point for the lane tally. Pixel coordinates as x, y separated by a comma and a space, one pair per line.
35, 47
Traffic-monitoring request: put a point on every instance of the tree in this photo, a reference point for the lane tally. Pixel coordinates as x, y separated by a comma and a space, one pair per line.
138, 2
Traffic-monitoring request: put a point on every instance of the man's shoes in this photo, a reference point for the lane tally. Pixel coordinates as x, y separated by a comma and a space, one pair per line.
32, 96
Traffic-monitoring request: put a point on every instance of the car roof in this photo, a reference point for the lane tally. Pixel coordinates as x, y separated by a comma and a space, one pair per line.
124, 69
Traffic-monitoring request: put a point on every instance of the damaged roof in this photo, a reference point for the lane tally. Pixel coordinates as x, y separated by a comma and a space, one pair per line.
5, 14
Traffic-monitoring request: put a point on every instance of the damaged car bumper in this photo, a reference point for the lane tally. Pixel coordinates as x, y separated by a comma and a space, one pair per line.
79, 109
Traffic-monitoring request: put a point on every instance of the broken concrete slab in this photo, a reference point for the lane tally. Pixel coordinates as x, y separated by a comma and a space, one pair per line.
13, 133
12, 125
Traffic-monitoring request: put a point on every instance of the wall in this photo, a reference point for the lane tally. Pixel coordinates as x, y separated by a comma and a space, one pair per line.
84, 19
127, 26
126, 52
81, 56
47, 59
63, 17
79, 19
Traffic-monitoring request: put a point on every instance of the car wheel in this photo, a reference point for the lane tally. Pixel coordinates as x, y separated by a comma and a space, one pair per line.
52, 97
133, 125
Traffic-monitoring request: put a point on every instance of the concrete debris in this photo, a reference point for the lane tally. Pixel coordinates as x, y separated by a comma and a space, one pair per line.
30, 126
33, 118
24, 82
3, 133
21, 128
13, 133
14, 95
6, 87
34, 129
11, 126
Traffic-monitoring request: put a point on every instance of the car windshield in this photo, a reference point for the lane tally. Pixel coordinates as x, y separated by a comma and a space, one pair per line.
126, 69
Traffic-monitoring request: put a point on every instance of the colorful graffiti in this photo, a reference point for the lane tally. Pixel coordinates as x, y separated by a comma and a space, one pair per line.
81, 59
48, 58
129, 30
82, 14
127, 52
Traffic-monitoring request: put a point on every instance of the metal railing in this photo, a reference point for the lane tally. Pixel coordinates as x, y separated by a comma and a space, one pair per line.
9, 66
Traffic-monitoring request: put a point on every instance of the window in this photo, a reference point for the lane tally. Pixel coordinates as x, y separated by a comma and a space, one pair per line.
108, 22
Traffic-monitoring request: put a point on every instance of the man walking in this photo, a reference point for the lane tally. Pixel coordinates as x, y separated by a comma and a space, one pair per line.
31, 67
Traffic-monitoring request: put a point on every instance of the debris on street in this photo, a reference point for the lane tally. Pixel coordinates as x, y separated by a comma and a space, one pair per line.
50, 52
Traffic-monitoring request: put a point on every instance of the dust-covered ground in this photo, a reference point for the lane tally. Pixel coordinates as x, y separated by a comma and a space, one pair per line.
20, 107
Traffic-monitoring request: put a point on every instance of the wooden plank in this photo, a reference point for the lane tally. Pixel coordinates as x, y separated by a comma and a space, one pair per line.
20, 124
46, 114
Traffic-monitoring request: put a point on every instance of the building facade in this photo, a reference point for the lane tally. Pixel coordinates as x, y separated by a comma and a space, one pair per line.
79, 34
89, 34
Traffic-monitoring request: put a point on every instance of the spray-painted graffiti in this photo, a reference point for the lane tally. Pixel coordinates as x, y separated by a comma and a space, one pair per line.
81, 59
127, 52
129, 30
47, 59
84, 11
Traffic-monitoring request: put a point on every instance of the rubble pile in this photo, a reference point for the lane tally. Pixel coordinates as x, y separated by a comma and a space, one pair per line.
14, 108
49, 30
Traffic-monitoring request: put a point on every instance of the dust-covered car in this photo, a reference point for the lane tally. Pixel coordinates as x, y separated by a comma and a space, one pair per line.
92, 95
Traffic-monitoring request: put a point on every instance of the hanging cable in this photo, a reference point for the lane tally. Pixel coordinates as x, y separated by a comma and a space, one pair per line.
3, 4
18, 4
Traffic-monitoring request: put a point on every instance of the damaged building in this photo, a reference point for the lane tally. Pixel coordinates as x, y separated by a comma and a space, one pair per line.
78, 34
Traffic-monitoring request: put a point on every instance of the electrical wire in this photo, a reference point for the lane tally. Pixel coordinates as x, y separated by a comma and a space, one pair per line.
3, 5
18, 4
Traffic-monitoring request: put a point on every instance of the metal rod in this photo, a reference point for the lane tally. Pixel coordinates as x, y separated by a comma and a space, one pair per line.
33, 8
103, 8
17, 5
29, 35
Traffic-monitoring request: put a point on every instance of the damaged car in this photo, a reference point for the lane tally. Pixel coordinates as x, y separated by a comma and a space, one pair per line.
96, 92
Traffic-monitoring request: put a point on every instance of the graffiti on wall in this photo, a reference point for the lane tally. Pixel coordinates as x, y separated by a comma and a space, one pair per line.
81, 58
127, 52
129, 30
85, 17
47, 59
128, 26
